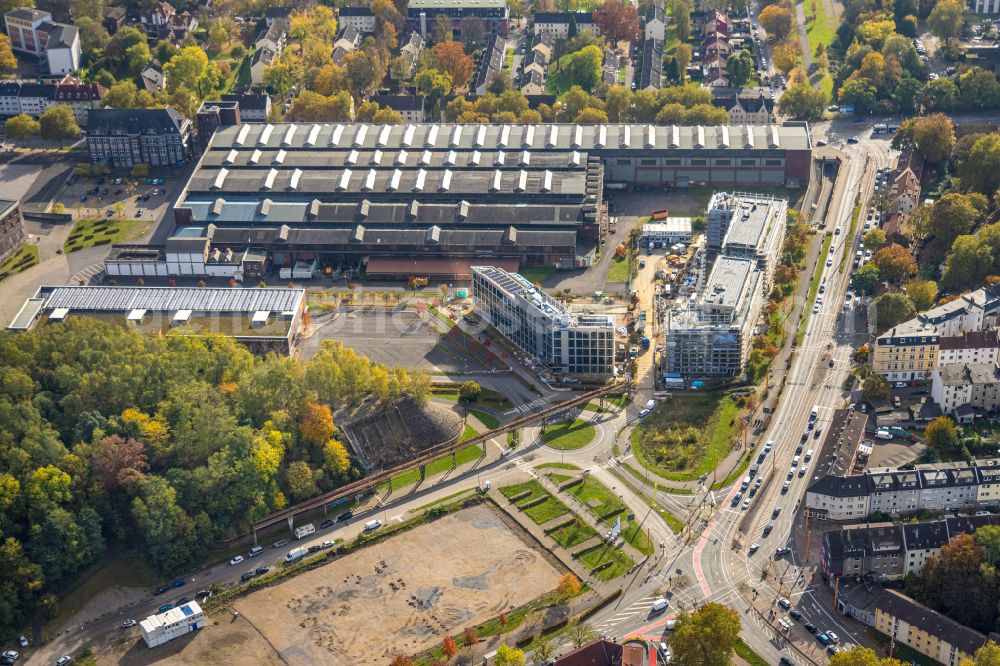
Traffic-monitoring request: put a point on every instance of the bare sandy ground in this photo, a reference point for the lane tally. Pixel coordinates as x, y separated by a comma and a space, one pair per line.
401, 596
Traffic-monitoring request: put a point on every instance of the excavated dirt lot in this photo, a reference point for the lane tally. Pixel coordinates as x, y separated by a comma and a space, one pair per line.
400, 596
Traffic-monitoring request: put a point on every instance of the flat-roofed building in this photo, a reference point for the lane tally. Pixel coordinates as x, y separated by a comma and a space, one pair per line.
174, 623
667, 232
972, 386
749, 226
711, 335
565, 341
262, 319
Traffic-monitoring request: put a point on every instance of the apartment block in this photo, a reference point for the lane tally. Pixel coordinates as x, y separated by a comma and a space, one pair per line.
925, 630
535, 322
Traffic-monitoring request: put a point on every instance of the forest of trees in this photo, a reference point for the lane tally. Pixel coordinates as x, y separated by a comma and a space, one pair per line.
163, 444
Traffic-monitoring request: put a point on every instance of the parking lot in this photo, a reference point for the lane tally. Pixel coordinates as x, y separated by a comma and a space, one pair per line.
96, 197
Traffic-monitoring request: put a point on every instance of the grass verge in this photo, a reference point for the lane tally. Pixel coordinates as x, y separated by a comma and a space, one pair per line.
746, 653
487, 398
573, 534
102, 231
410, 477
673, 522
468, 433
539, 513
22, 260
555, 465
569, 434
685, 435
537, 274
618, 563
849, 240
606, 507
487, 420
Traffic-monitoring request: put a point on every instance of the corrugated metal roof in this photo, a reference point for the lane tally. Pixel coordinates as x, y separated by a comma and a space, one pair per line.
170, 299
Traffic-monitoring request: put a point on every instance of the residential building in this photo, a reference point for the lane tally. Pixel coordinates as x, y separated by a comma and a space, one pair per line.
158, 14
710, 335
536, 61
152, 79
273, 38
349, 39
873, 550
10, 98
261, 60
81, 97
923, 541
718, 22
967, 390
651, 71
715, 50
933, 487
745, 106
255, 107
410, 107
262, 319
566, 342
602, 652
411, 51
543, 42
656, 22
667, 232
715, 77
750, 226
493, 15
12, 233
905, 193
126, 137
490, 64
532, 83
114, 19
56, 44
969, 347
360, 18
558, 24
35, 98
274, 15
176, 622
925, 630
909, 351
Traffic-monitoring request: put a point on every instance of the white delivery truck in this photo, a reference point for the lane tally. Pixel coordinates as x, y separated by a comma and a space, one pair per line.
650, 404
305, 530
295, 554
372, 525
660, 605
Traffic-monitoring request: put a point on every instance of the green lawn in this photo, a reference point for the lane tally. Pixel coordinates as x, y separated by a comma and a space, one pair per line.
541, 513
824, 252
746, 653
487, 397
600, 501
101, 231
685, 435
242, 77
487, 420
618, 272
468, 433
822, 29
555, 465
619, 400
849, 240
620, 562
573, 534
569, 434
537, 274
22, 260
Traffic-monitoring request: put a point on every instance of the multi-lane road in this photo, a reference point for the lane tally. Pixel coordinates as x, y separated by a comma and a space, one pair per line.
711, 563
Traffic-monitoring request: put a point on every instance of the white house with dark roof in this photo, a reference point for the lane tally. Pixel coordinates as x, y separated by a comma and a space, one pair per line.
360, 18
33, 31
656, 22
410, 107
262, 59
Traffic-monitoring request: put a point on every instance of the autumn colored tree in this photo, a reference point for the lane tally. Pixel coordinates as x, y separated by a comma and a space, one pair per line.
508, 656
338, 460
568, 586
118, 462
470, 637
895, 263
956, 584
777, 21
875, 387
8, 63
942, 434
316, 423
786, 55
21, 126
618, 20
469, 390
922, 293
452, 59
401, 660
988, 655
933, 136
449, 647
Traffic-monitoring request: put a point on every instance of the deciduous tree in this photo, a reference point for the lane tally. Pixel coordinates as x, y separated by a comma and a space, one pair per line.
942, 434
969, 261
922, 293
803, 102
58, 123
508, 656
579, 633
946, 20
980, 168
568, 586
21, 127
448, 647
875, 387
739, 67
891, 309
777, 21
452, 58
618, 20
894, 263
707, 636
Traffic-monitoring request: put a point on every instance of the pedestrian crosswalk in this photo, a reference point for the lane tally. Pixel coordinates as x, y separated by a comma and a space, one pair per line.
527, 407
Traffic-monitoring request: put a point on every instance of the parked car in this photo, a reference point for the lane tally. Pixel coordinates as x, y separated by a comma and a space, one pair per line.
784, 603
810, 627
161, 589
63, 660
347, 515
247, 576
128, 623
768, 528
784, 550
823, 638
22, 640
279, 543
180, 582
260, 571
754, 548
9, 656
794, 613
165, 607
834, 638
236, 560
327, 523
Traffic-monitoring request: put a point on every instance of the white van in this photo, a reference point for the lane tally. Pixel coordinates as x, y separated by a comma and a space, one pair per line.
660, 605
746, 483
304, 531
883, 434
814, 414
809, 455
372, 525
650, 404
255, 551
295, 554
